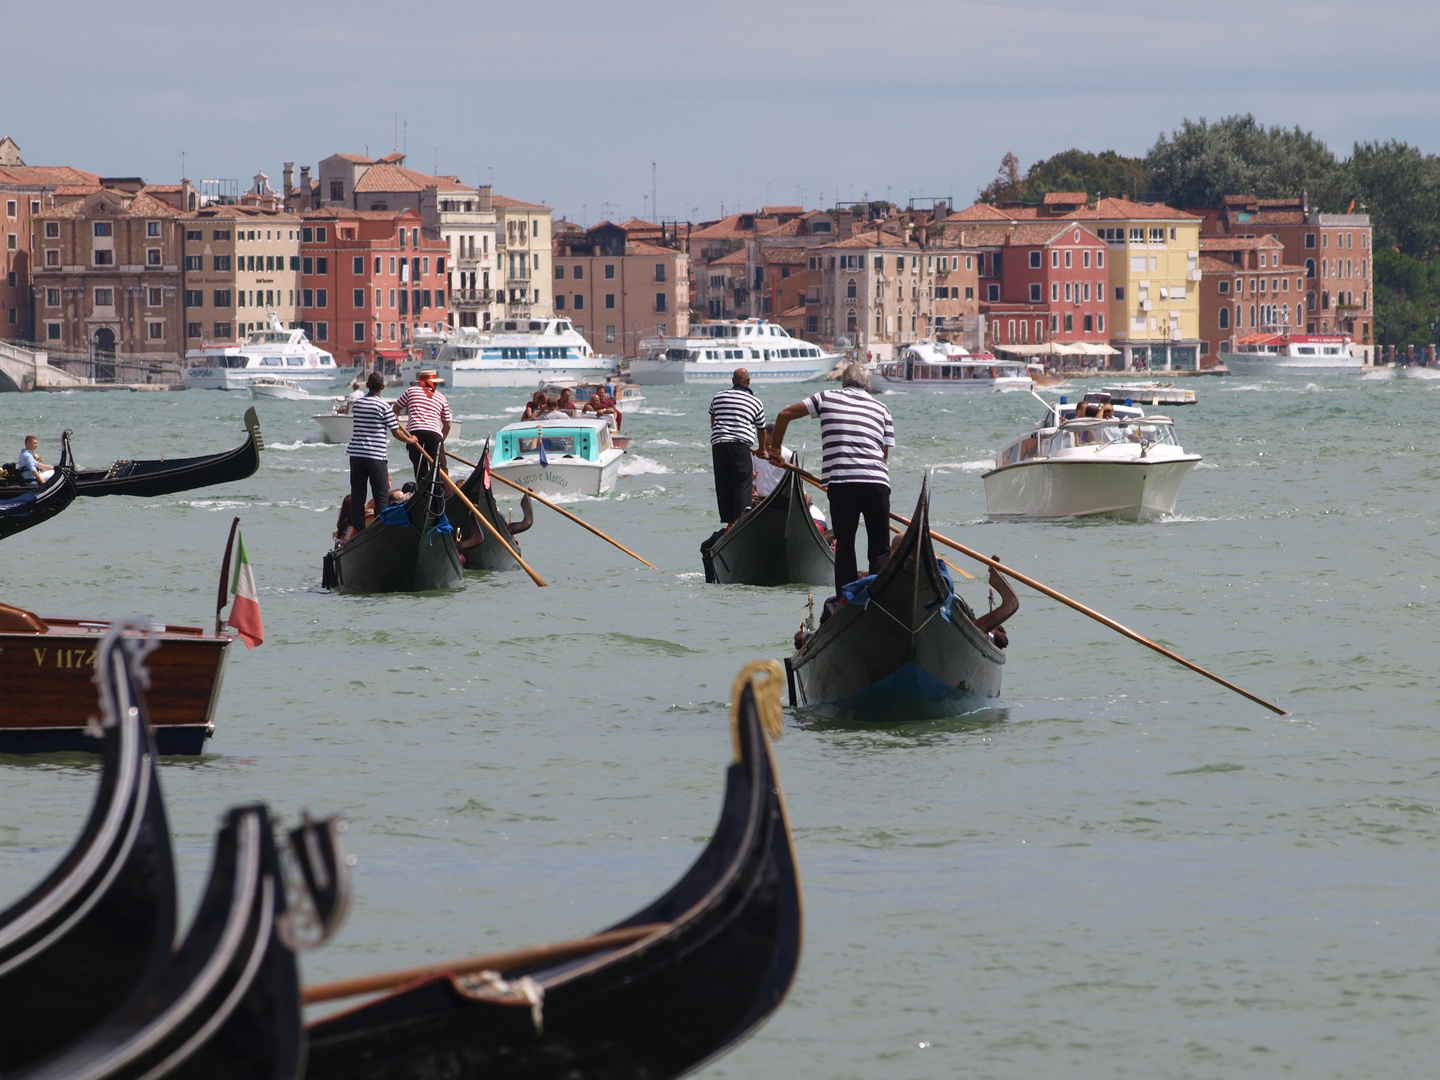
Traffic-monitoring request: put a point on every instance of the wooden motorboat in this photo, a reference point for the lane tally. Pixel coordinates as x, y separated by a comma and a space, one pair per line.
272, 388
697, 971
149, 479
409, 548
47, 668
226, 1005
906, 647
74, 947
479, 550
776, 543
558, 457
23, 508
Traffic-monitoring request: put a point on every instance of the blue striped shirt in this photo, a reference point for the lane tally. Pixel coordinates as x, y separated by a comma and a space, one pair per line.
373, 421
854, 431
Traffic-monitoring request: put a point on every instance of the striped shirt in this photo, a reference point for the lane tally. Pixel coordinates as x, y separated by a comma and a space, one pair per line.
373, 421
735, 416
854, 431
423, 412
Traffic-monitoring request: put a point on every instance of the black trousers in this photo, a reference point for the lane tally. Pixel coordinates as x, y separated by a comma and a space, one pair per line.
848, 504
734, 478
430, 440
375, 472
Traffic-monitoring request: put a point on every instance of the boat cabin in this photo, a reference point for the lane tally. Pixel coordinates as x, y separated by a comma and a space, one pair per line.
582, 439
1061, 430
1315, 346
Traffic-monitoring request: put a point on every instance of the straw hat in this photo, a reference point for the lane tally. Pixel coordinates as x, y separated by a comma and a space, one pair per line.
431, 374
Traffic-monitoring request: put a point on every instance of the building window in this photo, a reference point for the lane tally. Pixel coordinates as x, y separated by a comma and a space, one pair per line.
992, 293
609, 333
222, 298
156, 331
104, 228
1085, 259
559, 301
322, 297
1100, 323
222, 262
1035, 287
322, 331
1120, 293
1224, 287
1069, 324
152, 297
320, 234
1034, 260
358, 331
609, 271
52, 230
104, 297
609, 301
194, 262
659, 276
560, 273
1054, 290
579, 302
850, 289
194, 298
104, 257
222, 331
52, 297
194, 234
152, 256
357, 264
322, 264
193, 330
578, 273
12, 208
1089, 324
969, 290
337, 190
1067, 260
358, 299
660, 305
52, 331
1224, 318
152, 228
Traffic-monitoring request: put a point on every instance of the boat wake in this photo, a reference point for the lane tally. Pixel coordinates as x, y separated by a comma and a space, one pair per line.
298, 444
639, 465
966, 466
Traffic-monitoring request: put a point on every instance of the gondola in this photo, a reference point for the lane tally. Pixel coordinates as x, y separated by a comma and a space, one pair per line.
149, 479
22, 508
226, 1006
408, 548
908, 648
478, 547
717, 956
76, 945
776, 543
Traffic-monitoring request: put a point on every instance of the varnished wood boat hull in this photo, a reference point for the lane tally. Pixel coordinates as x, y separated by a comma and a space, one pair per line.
776, 543
46, 682
899, 658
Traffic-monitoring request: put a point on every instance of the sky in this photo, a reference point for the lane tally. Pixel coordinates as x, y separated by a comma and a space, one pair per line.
736, 104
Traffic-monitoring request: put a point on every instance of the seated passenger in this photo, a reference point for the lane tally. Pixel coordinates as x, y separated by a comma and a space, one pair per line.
32, 469
535, 406
357, 391
565, 404
602, 404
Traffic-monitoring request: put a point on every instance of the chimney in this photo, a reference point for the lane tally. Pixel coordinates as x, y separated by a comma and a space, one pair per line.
305, 188
288, 187
846, 226
484, 203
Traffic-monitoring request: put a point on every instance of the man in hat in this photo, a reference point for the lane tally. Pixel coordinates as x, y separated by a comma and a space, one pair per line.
427, 415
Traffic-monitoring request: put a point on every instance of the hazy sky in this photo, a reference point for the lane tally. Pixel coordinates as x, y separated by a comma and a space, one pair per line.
736, 103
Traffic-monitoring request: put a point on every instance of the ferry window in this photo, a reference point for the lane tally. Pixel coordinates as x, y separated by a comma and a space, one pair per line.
899, 263
609, 271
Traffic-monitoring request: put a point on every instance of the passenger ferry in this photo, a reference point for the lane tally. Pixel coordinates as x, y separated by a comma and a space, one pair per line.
265, 355
939, 367
515, 352
557, 457
1259, 354
714, 350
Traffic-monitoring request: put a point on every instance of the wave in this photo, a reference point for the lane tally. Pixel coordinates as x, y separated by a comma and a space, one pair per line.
298, 444
638, 465
966, 466
1206, 465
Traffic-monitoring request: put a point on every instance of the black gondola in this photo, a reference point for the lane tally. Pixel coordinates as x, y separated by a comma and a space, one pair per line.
77, 944
227, 1004
409, 548
149, 479
776, 543
478, 546
910, 650
719, 963
23, 508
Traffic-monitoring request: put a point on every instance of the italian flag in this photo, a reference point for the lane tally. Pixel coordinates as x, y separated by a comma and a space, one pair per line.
245, 611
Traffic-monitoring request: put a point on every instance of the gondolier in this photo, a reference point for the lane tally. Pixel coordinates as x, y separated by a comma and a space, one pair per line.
856, 433
736, 418
369, 463
427, 417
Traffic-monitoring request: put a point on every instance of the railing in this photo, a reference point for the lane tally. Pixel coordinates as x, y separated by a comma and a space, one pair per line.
472, 296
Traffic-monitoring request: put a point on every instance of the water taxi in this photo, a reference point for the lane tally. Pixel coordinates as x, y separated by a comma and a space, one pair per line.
1074, 464
1152, 394
275, 389
1261, 354
265, 354
558, 457
713, 350
939, 367
515, 352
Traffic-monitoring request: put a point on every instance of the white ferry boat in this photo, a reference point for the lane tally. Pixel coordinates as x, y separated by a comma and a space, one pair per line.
515, 352
1104, 460
1259, 354
714, 350
267, 354
940, 367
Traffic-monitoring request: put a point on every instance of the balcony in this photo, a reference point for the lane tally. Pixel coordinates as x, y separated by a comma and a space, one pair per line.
466, 298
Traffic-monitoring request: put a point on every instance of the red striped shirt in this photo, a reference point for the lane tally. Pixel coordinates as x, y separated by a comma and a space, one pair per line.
423, 412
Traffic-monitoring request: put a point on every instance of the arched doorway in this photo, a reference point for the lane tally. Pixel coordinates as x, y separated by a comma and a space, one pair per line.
103, 361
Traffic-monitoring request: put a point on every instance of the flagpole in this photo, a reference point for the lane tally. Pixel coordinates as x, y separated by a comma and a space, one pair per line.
225, 576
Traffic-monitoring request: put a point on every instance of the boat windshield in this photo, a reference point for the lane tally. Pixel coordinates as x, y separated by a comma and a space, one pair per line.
1102, 432
554, 444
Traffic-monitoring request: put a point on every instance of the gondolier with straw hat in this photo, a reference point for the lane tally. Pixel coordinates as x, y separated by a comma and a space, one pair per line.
856, 433
427, 417
736, 418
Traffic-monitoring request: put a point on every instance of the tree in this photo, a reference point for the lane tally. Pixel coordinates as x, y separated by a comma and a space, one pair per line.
1007, 185
1105, 174
1200, 163
1400, 188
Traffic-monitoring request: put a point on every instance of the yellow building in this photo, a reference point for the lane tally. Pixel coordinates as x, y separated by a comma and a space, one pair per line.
523, 253
241, 264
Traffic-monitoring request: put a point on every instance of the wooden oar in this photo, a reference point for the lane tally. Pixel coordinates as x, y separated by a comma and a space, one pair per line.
558, 509
484, 521
1055, 594
502, 961
963, 573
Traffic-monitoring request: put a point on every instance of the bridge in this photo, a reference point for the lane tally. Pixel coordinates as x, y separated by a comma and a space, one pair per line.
23, 369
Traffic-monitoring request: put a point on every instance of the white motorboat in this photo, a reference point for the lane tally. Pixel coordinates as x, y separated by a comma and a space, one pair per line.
940, 367
1122, 465
515, 352
714, 350
557, 457
277, 389
625, 394
1293, 354
1152, 394
269, 353
337, 427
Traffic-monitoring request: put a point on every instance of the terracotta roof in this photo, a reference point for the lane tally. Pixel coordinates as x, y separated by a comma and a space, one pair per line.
639, 247
171, 189
235, 212
1238, 243
978, 212
47, 175
635, 223
358, 159
1066, 198
784, 256
395, 157
735, 258
1210, 265
120, 204
729, 228
1125, 210
76, 189
364, 215
870, 240
387, 177
774, 210
504, 202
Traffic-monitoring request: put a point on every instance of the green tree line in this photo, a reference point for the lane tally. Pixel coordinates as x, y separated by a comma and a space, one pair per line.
1200, 162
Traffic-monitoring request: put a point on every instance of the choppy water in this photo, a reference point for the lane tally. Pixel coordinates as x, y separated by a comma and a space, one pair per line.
1120, 870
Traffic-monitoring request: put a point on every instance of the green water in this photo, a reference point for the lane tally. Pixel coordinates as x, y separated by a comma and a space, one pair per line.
1120, 870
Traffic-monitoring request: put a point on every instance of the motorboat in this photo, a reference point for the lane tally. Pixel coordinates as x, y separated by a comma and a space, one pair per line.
713, 350
1152, 393
1075, 464
558, 457
270, 352
337, 427
277, 389
626, 395
1262, 354
940, 367
514, 352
